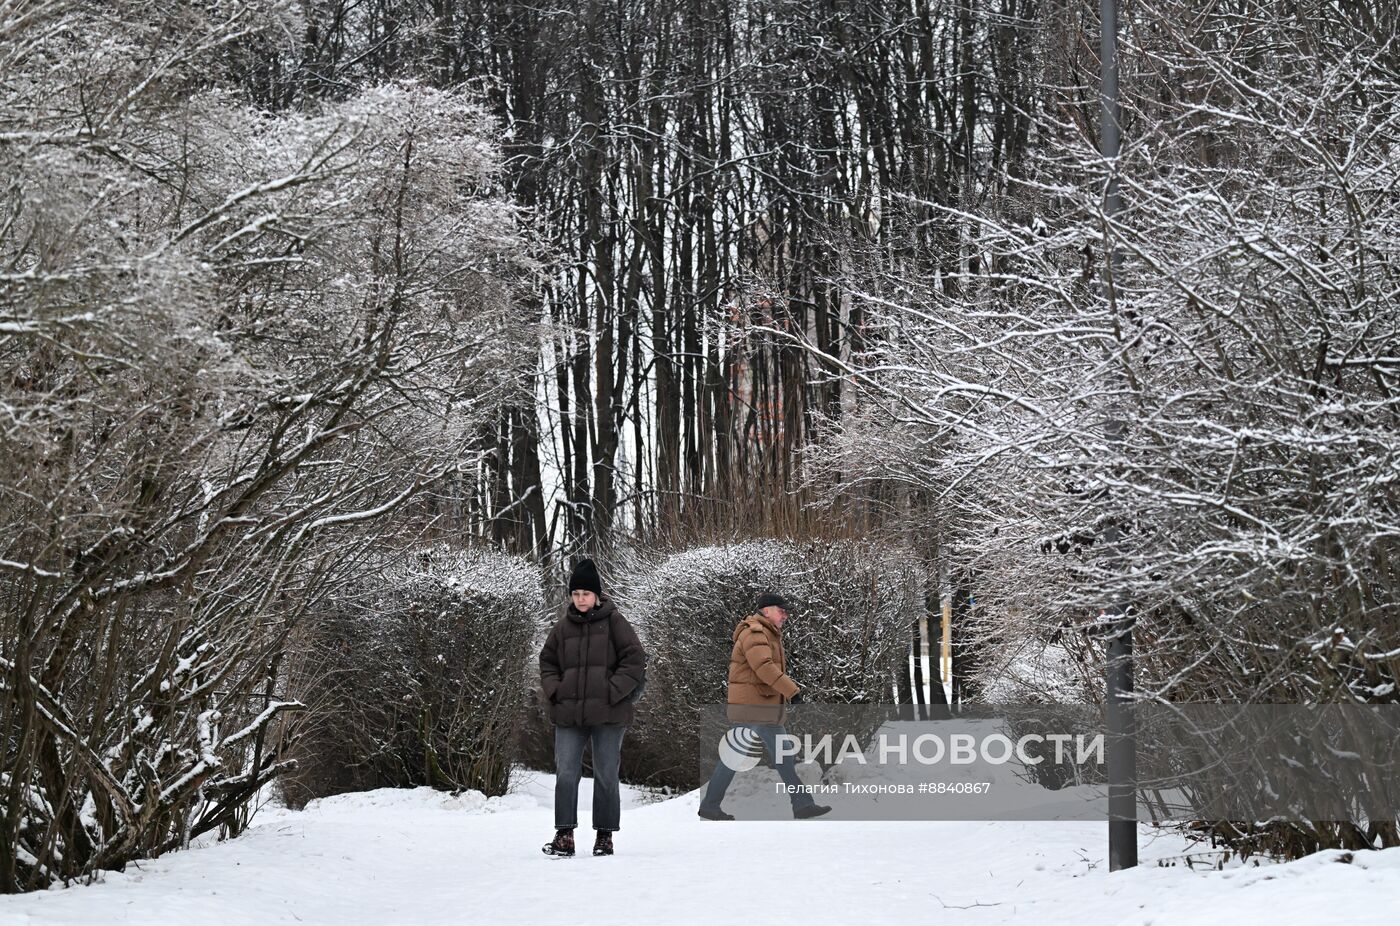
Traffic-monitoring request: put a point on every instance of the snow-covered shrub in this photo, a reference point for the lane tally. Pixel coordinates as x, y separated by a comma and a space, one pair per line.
855, 605
412, 675
1034, 670
236, 349
1189, 408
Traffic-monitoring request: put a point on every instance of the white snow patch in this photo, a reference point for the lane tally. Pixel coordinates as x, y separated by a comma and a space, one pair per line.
424, 857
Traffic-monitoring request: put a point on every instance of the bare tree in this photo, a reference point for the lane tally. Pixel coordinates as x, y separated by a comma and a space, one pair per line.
236, 348
1247, 337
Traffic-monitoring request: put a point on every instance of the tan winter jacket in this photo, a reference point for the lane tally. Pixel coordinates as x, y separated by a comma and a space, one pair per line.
758, 681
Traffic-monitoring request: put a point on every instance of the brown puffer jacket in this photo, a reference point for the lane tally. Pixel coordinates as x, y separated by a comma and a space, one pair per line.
589, 665
758, 681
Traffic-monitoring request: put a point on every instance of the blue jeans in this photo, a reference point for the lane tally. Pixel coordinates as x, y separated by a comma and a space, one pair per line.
568, 768
787, 770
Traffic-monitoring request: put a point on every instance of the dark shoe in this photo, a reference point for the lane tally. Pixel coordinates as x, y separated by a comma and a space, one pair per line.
714, 815
562, 846
810, 811
603, 844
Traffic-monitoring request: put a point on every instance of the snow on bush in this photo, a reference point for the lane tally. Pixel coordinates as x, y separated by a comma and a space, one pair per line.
413, 675
855, 603
1189, 408
238, 348
1037, 672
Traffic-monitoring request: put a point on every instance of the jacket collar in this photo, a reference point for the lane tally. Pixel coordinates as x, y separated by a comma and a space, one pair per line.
599, 611
756, 616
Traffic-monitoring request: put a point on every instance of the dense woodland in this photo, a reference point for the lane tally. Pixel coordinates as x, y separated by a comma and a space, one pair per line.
291, 289
696, 168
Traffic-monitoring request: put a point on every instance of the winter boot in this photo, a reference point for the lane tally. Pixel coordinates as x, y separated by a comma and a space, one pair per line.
706, 814
603, 844
810, 811
562, 846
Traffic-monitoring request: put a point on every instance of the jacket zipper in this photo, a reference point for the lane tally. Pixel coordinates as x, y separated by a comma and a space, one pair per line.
583, 667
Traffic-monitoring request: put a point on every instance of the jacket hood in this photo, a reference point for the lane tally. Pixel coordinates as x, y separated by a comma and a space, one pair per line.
602, 609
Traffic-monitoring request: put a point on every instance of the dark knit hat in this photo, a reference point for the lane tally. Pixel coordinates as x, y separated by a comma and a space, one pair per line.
772, 598
586, 577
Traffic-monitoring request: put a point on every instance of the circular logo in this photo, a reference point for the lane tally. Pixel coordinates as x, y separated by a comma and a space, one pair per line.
740, 748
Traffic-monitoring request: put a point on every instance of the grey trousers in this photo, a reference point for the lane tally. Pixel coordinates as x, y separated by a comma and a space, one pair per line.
723, 775
568, 769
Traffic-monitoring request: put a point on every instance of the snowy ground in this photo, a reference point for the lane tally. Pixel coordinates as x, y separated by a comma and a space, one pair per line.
418, 857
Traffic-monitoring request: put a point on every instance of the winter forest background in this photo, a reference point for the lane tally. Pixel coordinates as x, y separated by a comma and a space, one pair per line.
333, 331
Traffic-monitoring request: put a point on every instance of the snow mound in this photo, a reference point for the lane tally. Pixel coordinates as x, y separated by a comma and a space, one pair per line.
408, 800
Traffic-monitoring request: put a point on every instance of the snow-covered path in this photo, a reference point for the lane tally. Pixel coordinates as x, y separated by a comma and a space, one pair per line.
417, 857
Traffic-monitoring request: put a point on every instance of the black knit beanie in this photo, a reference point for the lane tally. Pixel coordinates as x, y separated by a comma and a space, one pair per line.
586, 577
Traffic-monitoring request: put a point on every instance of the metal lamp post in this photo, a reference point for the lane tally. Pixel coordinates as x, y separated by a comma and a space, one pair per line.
1122, 748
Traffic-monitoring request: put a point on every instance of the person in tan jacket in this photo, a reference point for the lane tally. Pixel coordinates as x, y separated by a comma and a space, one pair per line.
759, 693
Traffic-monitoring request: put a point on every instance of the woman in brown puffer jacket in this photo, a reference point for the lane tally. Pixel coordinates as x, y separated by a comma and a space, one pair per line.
591, 666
